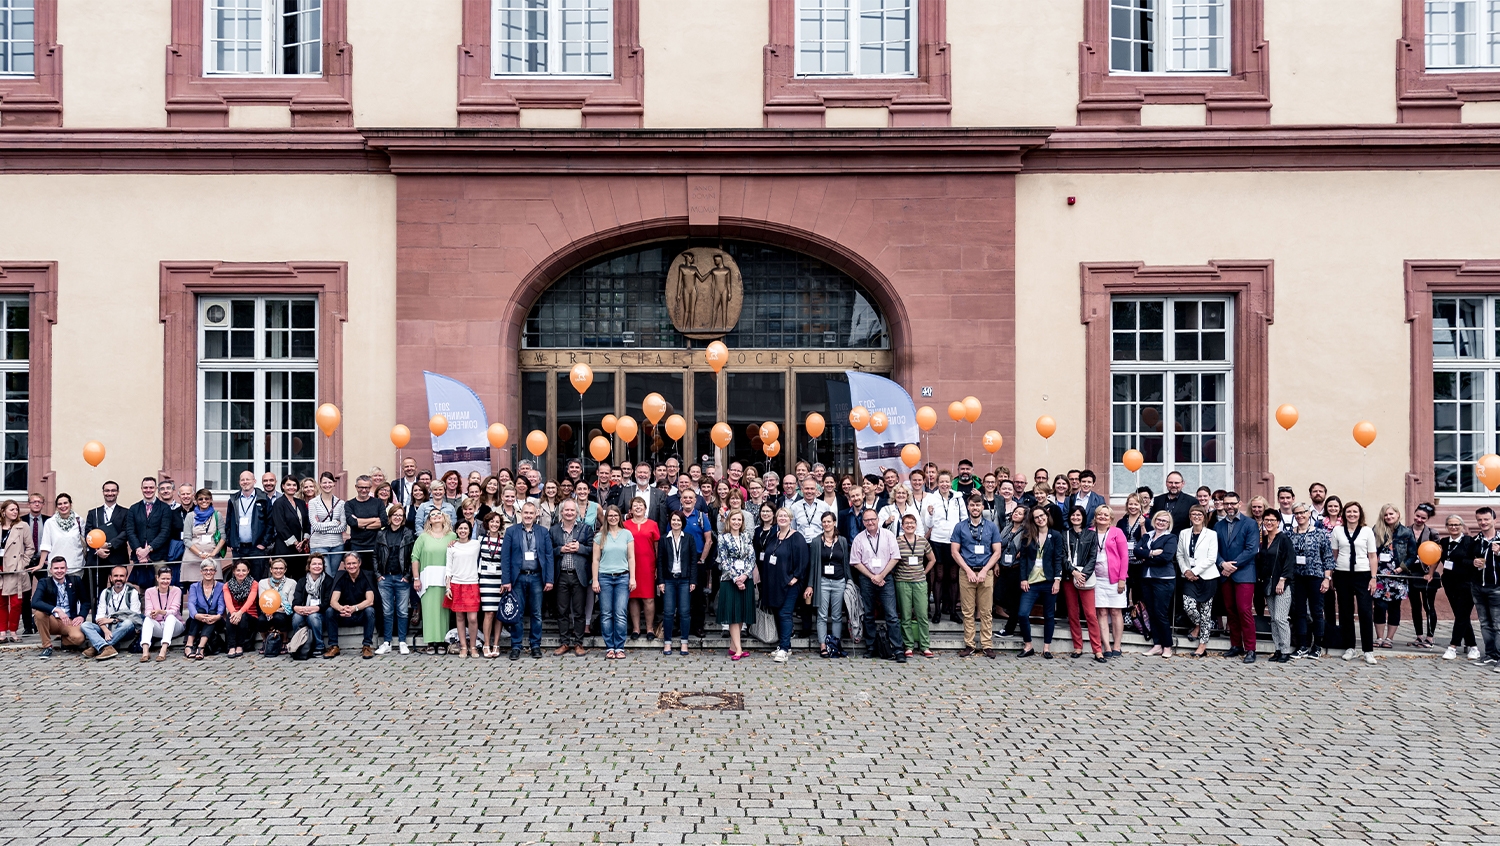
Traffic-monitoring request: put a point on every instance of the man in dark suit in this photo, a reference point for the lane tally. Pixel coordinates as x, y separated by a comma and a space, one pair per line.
1175, 502
401, 487
111, 519
59, 607
1085, 497
34, 521
247, 520
642, 486
148, 530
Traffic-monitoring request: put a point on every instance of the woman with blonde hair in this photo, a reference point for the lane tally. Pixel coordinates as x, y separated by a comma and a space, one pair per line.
429, 554
614, 579
1396, 552
1111, 567
1197, 559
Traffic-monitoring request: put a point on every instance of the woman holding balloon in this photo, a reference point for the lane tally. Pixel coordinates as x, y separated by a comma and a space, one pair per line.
275, 593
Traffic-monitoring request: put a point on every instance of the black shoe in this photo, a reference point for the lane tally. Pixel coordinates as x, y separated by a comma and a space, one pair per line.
1234, 652
1026, 653
936, 617
1100, 659
1009, 632
1048, 655
899, 657
1249, 658
515, 655
1315, 653
46, 653
536, 652
870, 653
955, 617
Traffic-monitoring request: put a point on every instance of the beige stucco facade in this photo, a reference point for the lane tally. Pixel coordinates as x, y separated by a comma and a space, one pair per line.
1339, 347
109, 235
406, 74
703, 62
1033, 81
1354, 83
114, 62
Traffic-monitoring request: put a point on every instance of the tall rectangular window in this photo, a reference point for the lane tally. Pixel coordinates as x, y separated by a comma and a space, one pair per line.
258, 379
15, 371
263, 37
1465, 389
552, 37
1171, 374
1169, 36
17, 38
858, 38
1463, 34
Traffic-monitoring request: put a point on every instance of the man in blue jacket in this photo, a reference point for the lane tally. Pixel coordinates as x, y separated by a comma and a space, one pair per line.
247, 519
60, 607
1239, 541
526, 567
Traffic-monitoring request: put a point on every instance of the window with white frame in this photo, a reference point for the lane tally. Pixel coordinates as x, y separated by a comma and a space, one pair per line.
1465, 389
15, 370
17, 38
552, 38
1171, 379
258, 384
263, 37
857, 38
1463, 34
1169, 36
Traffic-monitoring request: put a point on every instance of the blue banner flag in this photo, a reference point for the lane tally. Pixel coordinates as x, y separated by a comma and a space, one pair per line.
881, 450
465, 447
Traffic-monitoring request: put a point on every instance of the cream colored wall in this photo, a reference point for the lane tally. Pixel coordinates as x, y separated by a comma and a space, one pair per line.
1339, 344
109, 234
1033, 79
405, 65
1354, 82
704, 62
114, 62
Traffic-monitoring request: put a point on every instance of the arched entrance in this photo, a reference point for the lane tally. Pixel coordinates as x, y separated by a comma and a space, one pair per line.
800, 325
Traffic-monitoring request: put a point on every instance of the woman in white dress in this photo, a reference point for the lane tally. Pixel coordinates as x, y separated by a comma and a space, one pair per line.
1111, 569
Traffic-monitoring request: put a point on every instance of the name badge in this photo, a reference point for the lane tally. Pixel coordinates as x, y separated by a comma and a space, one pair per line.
978, 549
530, 556
1385, 557
913, 560
771, 560
1302, 559
828, 569
1448, 565
1009, 558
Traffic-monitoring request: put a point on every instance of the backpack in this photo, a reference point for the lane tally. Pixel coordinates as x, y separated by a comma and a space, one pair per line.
272, 646
881, 643
835, 647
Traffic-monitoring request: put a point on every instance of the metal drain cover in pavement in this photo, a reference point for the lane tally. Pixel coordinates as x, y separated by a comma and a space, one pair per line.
684, 700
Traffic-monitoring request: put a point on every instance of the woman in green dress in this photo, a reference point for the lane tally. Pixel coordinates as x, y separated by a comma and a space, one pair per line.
430, 554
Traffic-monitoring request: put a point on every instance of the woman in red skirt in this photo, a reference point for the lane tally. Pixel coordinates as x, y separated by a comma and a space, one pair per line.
643, 599
462, 597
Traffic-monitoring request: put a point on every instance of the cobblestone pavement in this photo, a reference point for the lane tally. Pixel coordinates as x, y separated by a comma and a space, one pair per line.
575, 750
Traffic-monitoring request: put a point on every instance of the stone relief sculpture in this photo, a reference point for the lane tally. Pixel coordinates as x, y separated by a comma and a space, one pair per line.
704, 293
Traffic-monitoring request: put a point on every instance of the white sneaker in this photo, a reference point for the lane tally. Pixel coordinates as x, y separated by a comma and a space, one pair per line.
1349, 654
405, 650
780, 656
384, 648
1450, 654
1473, 653
1370, 658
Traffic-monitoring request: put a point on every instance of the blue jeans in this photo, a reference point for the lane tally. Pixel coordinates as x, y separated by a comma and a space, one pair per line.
364, 616
869, 592
321, 624
678, 609
1040, 591
830, 600
528, 589
614, 596
395, 598
784, 616
123, 633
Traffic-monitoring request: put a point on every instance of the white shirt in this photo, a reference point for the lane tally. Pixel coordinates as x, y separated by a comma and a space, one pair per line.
945, 512
1364, 546
807, 517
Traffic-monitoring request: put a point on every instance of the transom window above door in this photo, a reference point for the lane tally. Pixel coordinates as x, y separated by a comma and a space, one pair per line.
263, 37
1169, 37
552, 38
856, 38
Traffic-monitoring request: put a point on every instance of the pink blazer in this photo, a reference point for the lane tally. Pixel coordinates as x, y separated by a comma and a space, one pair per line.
1117, 553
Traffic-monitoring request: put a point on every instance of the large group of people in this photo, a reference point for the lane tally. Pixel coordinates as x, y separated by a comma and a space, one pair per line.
447, 564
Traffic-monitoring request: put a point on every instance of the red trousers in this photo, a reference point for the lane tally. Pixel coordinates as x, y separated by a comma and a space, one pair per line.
1084, 597
1238, 600
10, 613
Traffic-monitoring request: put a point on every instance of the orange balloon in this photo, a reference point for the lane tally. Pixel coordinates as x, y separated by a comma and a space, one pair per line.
1488, 470
926, 418
437, 425
93, 453
1429, 553
676, 427
654, 407
769, 432
859, 418
972, 409
498, 435
626, 428
721, 435
400, 436
956, 411
328, 418
911, 455
608, 423
270, 601
1133, 460
717, 355
1286, 415
96, 539
537, 442
815, 425
1364, 433
878, 421
992, 442
771, 448
599, 448
582, 376
1045, 426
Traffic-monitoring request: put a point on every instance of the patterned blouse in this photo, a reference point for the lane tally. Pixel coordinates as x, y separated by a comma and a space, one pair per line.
736, 556
1314, 553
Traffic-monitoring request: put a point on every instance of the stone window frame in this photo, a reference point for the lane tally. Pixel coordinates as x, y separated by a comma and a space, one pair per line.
1424, 96
487, 101
1240, 98
37, 281
182, 283
196, 100
793, 102
37, 100
1252, 286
